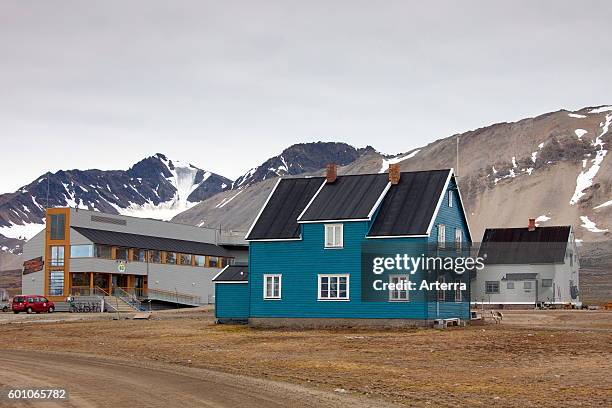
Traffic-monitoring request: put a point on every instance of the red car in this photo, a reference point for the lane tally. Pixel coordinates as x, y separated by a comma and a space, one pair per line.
32, 304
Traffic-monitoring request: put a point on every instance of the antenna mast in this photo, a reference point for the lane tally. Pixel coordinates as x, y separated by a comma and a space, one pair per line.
48, 174
457, 155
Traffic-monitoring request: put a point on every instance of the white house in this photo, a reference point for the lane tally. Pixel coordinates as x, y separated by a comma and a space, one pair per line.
526, 266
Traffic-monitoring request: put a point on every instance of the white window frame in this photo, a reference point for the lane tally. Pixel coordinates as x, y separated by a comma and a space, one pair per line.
508, 285
441, 295
335, 243
392, 293
458, 239
458, 294
267, 296
337, 298
527, 285
450, 198
492, 293
441, 236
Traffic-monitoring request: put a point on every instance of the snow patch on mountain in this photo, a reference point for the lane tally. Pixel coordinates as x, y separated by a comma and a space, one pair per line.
580, 133
394, 160
590, 225
244, 179
601, 109
585, 178
183, 179
576, 115
24, 231
164, 211
606, 204
227, 200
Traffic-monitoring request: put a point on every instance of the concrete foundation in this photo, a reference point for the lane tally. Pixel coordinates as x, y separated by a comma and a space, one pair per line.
270, 322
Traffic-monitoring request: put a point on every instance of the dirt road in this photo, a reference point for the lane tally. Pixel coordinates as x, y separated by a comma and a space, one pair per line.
532, 359
96, 382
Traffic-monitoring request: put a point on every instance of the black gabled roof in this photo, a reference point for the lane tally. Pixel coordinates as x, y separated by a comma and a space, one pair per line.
409, 206
349, 197
233, 273
124, 239
521, 246
278, 220
520, 276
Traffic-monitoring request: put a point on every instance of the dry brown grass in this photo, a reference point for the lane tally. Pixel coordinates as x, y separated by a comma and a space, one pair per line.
510, 364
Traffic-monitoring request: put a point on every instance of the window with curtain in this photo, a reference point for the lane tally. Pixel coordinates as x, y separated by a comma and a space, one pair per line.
334, 236
272, 286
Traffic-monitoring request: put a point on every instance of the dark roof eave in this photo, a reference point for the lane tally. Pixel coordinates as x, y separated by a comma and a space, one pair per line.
125, 239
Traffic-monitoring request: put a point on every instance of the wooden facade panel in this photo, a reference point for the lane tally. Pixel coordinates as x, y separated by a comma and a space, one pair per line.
231, 300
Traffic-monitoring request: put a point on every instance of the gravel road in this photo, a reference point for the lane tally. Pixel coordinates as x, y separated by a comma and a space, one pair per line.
105, 382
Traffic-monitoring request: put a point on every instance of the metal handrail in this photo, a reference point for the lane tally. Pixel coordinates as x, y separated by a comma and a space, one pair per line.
127, 297
163, 295
100, 292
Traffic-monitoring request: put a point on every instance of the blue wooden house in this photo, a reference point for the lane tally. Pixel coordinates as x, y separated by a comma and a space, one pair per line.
312, 246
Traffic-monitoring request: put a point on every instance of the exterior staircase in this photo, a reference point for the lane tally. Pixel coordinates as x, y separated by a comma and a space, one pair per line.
130, 300
116, 304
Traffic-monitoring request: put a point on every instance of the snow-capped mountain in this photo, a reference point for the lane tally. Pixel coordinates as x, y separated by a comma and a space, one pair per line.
155, 187
301, 158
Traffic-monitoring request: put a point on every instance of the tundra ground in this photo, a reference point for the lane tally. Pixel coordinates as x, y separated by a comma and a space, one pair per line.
533, 358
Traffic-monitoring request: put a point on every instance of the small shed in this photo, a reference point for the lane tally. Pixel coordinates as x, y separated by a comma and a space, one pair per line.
232, 294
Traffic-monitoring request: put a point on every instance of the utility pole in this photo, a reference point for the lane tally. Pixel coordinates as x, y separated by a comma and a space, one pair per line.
457, 156
48, 176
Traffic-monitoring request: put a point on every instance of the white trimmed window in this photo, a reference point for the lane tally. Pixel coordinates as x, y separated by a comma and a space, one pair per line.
510, 285
272, 286
441, 235
441, 292
333, 287
334, 236
450, 198
492, 287
458, 239
458, 295
396, 295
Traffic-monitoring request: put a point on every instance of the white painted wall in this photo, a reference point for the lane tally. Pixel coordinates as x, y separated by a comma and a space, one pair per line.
561, 274
184, 279
33, 283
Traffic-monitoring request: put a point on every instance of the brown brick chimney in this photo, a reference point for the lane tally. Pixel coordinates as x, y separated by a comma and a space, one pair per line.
332, 173
532, 224
394, 173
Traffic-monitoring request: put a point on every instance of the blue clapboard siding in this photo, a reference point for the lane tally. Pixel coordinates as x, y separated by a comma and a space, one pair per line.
452, 218
231, 300
301, 261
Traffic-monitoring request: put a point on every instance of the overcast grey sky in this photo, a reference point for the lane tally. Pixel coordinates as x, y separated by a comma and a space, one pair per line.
227, 84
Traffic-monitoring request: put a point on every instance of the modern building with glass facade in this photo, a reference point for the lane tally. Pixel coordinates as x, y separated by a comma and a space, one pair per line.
82, 252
